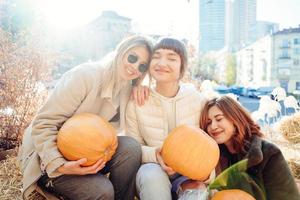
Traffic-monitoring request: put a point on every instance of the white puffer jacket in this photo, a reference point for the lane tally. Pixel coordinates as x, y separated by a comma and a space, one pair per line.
148, 124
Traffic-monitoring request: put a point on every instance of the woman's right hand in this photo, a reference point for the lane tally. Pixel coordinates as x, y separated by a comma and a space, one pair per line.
75, 168
140, 94
161, 162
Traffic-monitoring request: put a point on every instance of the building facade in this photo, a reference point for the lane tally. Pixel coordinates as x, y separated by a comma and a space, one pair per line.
286, 58
105, 32
226, 23
254, 64
212, 25
94, 40
261, 29
240, 20
273, 60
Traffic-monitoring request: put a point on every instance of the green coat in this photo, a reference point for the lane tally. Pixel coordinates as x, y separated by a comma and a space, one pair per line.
267, 164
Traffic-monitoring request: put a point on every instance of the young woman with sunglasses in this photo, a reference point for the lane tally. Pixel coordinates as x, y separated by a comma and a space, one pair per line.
102, 88
169, 104
239, 137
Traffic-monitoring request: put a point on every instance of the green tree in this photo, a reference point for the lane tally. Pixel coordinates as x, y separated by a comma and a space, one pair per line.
230, 70
204, 68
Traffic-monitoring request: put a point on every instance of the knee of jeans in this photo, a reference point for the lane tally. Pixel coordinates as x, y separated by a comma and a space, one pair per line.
131, 147
104, 190
152, 175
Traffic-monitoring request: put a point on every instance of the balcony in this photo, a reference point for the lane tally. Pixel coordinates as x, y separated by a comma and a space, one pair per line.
284, 57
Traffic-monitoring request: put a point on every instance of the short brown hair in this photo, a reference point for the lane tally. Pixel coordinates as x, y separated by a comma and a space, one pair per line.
238, 115
178, 47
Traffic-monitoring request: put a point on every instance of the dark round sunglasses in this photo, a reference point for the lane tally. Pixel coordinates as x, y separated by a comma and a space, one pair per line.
143, 67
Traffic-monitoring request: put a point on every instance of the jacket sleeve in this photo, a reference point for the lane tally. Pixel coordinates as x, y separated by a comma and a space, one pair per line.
132, 130
61, 105
278, 180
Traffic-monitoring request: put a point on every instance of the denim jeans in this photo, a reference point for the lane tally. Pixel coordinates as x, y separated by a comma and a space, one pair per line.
153, 183
120, 185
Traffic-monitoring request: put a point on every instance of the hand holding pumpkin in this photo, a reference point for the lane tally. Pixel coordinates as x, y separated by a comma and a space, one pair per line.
193, 184
161, 162
88, 136
190, 152
75, 168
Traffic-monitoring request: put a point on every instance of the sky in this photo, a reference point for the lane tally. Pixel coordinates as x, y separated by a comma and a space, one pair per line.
178, 18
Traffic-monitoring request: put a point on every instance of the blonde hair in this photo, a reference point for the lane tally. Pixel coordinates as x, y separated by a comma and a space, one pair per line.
114, 60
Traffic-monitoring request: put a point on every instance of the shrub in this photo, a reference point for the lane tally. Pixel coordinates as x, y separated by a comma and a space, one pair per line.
24, 65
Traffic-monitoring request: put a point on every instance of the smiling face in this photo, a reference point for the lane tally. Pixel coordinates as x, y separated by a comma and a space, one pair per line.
165, 66
133, 59
219, 127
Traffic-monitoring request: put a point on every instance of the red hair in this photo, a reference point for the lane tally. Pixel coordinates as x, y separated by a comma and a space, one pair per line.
238, 115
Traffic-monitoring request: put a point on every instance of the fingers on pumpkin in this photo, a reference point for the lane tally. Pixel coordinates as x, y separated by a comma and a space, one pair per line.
82, 161
95, 167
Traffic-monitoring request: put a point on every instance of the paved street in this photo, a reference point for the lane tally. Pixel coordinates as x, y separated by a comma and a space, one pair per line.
250, 103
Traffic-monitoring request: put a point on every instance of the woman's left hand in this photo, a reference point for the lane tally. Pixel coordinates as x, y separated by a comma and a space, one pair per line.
161, 162
140, 94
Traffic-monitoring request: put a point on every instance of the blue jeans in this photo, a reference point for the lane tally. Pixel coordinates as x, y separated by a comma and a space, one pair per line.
153, 183
119, 185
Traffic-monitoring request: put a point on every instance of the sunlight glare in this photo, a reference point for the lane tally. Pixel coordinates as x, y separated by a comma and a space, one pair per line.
64, 14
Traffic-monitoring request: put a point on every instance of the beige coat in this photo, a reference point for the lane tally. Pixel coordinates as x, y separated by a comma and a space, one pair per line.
78, 91
148, 124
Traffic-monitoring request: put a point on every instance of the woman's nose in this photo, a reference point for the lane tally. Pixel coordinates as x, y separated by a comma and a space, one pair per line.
162, 62
213, 125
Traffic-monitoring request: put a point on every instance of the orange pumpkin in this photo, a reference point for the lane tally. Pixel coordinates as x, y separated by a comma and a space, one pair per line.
191, 152
88, 136
233, 194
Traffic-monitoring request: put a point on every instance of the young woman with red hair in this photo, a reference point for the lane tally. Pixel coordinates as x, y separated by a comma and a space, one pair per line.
239, 137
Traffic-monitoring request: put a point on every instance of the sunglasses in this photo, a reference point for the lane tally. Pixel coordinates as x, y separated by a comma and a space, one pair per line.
143, 67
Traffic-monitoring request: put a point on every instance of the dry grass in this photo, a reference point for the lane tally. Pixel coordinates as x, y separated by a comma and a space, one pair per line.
290, 128
10, 179
295, 167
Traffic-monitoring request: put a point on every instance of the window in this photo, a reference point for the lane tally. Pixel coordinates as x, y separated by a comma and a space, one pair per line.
297, 85
284, 54
297, 41
264, 70
285, 44
296, 61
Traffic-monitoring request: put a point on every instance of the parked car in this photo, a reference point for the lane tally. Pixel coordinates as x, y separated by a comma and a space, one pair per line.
238, 90
222, 89
263, 91
248, 92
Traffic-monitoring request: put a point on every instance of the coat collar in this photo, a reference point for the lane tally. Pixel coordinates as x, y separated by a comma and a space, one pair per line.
255, 154
107, 92
113, 88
